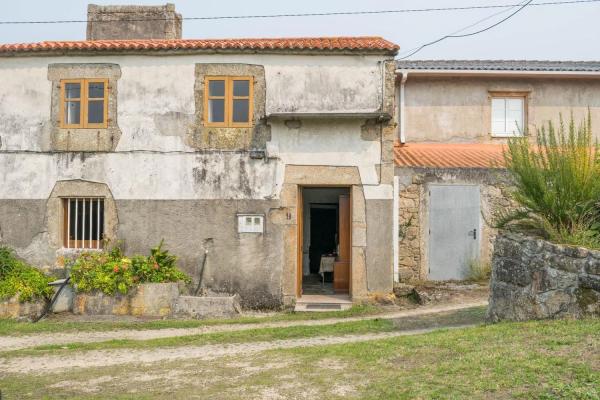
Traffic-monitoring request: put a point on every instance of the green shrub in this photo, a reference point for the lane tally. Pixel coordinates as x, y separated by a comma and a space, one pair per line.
479, 271
111, 272
102, 271
557, 184
17, 277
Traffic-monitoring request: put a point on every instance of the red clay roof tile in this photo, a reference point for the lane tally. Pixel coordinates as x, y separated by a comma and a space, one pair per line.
449, 155
357, 44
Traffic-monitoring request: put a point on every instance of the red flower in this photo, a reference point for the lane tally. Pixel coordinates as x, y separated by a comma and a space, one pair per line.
155, 265
116, 268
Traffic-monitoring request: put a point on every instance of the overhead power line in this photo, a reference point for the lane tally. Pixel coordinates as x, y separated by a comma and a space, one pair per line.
319, 14
521, 6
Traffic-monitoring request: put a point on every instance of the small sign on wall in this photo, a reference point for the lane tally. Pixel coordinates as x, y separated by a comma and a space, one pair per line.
251, 223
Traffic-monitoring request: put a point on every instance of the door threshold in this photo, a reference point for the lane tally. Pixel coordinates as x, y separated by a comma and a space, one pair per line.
318, 302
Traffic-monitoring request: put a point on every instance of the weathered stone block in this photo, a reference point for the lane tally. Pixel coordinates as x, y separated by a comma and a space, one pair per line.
154, 299
209, 306
64, 302
101, 304
403, 289
14, 309
534, 279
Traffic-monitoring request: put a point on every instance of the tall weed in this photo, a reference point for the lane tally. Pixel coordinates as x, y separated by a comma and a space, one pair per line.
557, 182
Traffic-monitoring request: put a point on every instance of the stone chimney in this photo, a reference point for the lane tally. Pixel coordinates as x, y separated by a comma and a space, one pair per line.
133, 22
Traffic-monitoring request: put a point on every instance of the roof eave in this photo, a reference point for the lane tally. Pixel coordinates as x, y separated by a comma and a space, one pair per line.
485, 73
151, 52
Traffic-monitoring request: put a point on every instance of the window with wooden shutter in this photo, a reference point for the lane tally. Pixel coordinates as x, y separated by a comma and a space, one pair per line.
228, 101
84, 103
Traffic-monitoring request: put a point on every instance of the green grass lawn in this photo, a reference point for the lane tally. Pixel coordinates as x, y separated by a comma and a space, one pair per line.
533, 360
474, 315
545, 360
13, 328
245, 336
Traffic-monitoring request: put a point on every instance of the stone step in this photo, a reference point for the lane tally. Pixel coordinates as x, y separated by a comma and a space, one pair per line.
303, 307
323, 303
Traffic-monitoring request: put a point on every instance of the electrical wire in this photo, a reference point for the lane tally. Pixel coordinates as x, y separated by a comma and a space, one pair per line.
467, 34
402, 53
319, 14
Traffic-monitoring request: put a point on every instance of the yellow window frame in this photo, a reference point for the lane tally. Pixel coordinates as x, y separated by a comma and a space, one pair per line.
228, 100
84, 100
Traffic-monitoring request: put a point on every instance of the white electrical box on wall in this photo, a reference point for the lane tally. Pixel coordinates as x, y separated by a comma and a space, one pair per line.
251, 223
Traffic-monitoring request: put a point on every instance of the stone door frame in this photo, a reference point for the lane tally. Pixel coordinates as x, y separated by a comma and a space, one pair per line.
299, 176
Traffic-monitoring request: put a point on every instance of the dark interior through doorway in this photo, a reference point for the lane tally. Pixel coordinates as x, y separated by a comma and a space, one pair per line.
320, 238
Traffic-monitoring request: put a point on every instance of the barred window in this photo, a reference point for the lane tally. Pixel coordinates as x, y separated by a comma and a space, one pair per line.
83, 223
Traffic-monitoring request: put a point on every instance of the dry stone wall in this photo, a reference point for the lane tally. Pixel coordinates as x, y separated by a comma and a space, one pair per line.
536, 279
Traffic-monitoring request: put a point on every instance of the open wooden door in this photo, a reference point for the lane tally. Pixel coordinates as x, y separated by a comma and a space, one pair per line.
299, 223
341, 267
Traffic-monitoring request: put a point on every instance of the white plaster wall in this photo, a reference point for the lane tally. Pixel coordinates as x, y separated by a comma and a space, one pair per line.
327, 143
314, 89
153, 87
453, 109
155, 110
149, 176
24, 104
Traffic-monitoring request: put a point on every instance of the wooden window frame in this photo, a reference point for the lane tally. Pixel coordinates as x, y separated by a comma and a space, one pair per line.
83, 103
97, 244
509, 95
228, 100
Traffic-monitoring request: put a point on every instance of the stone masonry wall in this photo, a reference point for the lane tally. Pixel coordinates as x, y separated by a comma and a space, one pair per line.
409, 252
536, 279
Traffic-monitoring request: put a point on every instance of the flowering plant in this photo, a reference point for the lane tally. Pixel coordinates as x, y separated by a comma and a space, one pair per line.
111, 271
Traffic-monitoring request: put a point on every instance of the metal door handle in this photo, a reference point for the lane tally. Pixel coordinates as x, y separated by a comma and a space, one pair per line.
473, 233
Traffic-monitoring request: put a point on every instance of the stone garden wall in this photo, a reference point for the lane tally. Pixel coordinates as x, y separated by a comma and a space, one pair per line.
535, 279
14, 309
156, 300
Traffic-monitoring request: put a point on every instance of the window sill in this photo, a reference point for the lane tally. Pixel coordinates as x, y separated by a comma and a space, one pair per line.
85, 139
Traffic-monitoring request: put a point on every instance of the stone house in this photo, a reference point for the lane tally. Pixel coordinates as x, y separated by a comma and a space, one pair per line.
454, 117
226, 149
288, 171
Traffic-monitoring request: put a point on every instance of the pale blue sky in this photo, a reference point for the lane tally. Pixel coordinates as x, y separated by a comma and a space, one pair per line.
559, 32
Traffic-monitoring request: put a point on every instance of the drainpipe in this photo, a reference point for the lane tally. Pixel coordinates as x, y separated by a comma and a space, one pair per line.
395, 227
402, 111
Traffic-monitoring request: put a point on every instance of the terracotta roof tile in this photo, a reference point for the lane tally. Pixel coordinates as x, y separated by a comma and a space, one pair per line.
325, 44
449, 155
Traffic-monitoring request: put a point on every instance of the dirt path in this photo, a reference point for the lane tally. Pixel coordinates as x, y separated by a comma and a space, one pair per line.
103, 358
21, 342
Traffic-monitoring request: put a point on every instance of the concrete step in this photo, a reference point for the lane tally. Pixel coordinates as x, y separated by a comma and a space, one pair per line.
321, 303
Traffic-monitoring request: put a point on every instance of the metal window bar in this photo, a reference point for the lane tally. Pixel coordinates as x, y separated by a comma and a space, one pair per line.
98, 224
83, 225
76, 221
68, 222
90, 224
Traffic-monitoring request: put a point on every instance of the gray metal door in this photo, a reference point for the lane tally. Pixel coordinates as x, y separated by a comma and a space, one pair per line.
454, 230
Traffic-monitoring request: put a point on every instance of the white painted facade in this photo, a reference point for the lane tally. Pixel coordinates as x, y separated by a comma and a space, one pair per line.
155, 109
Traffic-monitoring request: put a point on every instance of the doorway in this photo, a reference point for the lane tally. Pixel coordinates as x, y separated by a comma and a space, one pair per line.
324, 241
454, 230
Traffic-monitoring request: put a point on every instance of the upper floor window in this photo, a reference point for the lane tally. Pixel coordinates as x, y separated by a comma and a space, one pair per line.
508, 116
228, 101
84, 103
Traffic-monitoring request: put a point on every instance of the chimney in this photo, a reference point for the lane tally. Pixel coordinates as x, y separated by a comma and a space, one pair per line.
133, 22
